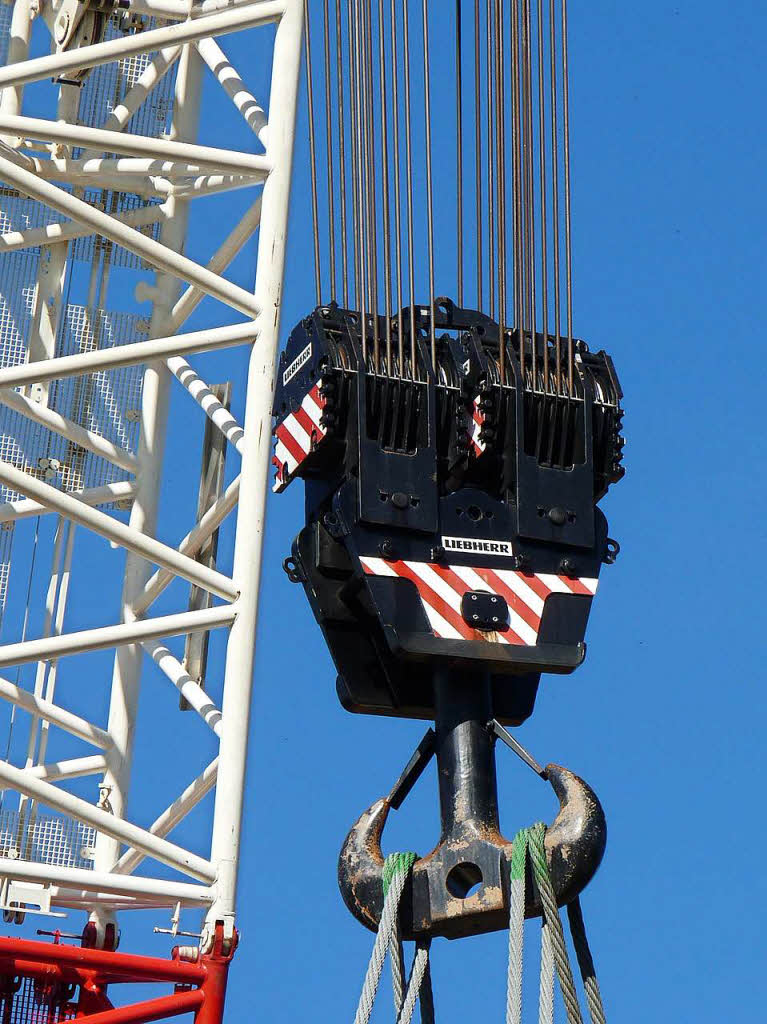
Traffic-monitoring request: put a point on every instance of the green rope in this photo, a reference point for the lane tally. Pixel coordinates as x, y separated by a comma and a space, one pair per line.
395, 864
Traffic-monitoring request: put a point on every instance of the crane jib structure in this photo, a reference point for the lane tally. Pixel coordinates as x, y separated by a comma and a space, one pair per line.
119, 308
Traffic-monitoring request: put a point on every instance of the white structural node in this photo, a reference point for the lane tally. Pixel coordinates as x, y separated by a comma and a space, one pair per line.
107, 170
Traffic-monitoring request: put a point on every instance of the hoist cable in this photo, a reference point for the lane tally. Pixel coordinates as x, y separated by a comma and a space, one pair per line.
342, 154
568, 205
409, 154
329, 149
429, 188
371, 193
312, 152
555, 195
500, 143
459, 146
478, 148
490, 158
397, 179
516, 141
385, 184
360, 216
543, 200
530, 182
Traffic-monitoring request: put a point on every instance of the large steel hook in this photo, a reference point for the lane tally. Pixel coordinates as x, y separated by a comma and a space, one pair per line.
462, 887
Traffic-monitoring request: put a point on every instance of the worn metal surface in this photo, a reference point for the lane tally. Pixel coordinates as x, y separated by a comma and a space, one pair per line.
462, 887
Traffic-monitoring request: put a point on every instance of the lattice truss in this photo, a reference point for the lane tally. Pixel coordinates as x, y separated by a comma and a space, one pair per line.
98, 191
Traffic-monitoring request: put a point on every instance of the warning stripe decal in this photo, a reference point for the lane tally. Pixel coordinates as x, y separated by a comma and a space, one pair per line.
442, 587
477, 422
298, 435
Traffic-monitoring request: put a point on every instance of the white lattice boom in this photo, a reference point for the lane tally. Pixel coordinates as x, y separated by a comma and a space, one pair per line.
96, 190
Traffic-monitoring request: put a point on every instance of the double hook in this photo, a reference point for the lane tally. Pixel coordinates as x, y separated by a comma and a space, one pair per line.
462, 887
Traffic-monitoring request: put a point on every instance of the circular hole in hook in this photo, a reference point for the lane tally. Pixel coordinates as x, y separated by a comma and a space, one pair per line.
463, 880
474, 513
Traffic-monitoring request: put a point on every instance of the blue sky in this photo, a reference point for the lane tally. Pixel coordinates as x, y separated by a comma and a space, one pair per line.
666, 717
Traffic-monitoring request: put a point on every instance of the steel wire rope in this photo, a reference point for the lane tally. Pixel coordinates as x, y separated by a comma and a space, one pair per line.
478, 147
342, 153
459, 146
409, 154
329, 149
517, 178
385, 185
489, 101
530, 183
312, 152
555, 212
568, 203
585, 962
500, 143
397, 180
429, 189
543, 199
370, 178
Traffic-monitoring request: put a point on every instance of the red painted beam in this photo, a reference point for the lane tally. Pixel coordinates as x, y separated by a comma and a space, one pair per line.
110, 967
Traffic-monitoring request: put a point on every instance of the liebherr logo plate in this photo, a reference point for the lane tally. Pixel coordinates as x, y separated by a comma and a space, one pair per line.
470, 545
298, 362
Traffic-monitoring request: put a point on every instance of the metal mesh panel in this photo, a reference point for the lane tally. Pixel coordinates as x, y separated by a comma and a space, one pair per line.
6, 12
106, 402
88, 246
106, 86
46, 839
104, 90
29, 1001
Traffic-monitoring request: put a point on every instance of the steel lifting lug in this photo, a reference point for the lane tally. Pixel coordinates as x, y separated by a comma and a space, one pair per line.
462, 887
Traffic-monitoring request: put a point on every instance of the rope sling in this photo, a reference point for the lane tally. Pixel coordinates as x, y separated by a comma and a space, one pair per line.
529, 849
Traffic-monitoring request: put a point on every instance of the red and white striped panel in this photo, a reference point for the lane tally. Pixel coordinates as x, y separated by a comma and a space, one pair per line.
297, 435
441, 588
475, 428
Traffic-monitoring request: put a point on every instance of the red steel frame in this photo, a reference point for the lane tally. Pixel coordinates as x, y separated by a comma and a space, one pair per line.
199, 988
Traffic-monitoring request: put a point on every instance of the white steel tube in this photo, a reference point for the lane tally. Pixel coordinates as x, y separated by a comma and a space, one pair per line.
153, 846
56, 65
126, 536
73, 768
190, 545
18, 51
204, 157
150, 77
159, 255
211, 185
170, 817
72, 431
89, 882
229, 79
68, 230
126, 672
238, 677
114, 636
56, 715
127, 355
219, 262
107, 494
189, 689
217, 413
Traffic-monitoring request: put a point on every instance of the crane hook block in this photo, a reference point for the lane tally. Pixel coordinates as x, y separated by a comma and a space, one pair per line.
451, 505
